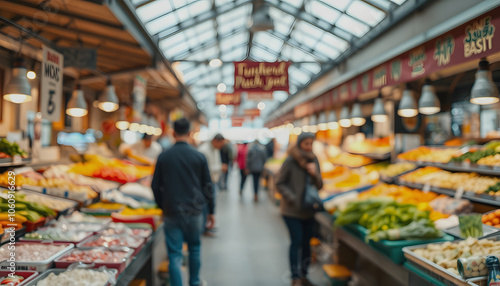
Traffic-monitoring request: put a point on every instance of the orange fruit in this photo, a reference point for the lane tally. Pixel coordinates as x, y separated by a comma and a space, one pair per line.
497, 225
495, 221
491, 216
497, 213
488, 223
484, 218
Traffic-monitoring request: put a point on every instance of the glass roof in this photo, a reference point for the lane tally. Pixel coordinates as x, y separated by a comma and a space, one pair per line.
308, 33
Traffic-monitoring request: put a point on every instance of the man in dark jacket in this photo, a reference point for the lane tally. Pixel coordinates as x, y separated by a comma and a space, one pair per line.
183, 188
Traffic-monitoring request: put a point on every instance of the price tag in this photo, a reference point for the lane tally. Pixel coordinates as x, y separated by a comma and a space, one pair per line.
459, 193
426, 188
17, 159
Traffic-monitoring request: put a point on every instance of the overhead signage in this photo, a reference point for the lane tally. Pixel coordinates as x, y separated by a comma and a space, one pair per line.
51, 84
258, 96
251, 112
81, 58
237, 121
261, 76
227, 98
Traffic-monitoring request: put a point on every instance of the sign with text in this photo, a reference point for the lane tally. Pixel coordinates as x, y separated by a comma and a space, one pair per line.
251, 112
260, 76
237, 121
82, 58
258, 96
227, 98
51, 84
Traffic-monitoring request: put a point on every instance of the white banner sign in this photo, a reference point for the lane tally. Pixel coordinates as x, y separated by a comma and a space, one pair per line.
51, 84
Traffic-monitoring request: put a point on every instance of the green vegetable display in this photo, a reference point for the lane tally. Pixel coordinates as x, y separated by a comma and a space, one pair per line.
470, 225
421, 229
473, 157
11, 149
379, 215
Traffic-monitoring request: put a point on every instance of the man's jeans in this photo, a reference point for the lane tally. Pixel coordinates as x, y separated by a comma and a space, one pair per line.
177, 230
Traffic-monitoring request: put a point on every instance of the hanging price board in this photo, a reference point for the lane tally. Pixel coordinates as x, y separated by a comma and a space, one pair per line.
51, 84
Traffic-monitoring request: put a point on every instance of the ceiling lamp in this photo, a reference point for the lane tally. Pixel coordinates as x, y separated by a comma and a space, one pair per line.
158, 131
378, 112
261, 106
18, 90
143, 128
428, 103
108, 101
222, 108
484, 91
345, 120
297, 130
407, 105
134, 127
215, 63
77, 106
261, 20
356, 115
322, 123
221, 87
312, 124
122, 123
332, 120
305, 124
31, 75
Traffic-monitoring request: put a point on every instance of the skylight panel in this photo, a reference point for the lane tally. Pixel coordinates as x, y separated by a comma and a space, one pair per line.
162, 23
219, 3
349, 24
177, 49
311, 67
323, 11
281, 28
235, 55
309, 30
199, 7
335, 42
183, 14
206, 36
366, 13
172, 41
282, 17
153, 10
296, 3
339, 4
266, 40
178, 3
263, 54
327, 50
399, 2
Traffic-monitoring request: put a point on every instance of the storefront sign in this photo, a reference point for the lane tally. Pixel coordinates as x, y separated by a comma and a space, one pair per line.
82, 58
51, 84
227, 98
252, 112
417, 61
379, 77
443, 50
478, 37
260, 76
258, 96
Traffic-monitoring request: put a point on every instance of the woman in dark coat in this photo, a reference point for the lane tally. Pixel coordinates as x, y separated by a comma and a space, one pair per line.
300, 166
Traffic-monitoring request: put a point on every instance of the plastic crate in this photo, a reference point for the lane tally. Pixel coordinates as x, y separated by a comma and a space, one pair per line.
394, 249
429, 280
357, 230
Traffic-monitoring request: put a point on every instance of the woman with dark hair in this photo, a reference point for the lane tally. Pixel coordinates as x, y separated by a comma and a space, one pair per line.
300, 168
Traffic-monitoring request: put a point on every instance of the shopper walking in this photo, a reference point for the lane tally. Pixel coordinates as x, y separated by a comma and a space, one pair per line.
241, 159
226, 157
211, 150
183, 189
300, 167
255, 160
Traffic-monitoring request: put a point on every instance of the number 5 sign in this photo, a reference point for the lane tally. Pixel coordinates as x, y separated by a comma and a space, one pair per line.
51, 84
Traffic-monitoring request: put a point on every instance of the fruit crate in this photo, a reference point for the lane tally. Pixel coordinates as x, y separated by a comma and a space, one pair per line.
57, 271
119, 265
27, 275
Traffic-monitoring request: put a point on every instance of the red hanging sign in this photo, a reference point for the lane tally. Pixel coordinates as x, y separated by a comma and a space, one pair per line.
261, 76
257, 96
237, 121
251, 112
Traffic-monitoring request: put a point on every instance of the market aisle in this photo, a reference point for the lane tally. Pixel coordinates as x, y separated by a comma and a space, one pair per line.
251, 246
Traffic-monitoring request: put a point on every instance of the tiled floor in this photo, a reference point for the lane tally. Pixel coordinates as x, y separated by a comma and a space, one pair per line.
252, 242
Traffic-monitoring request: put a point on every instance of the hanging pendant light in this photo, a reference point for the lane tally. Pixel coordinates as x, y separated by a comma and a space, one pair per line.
378, 112
108, 101
407, 105
122, 123
357, 118
322, 123
77, 106
484, 91
305, 124
332, 120
428, 103
345, 120
18, 90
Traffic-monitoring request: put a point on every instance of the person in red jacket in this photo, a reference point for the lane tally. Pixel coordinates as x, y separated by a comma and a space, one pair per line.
241, 159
